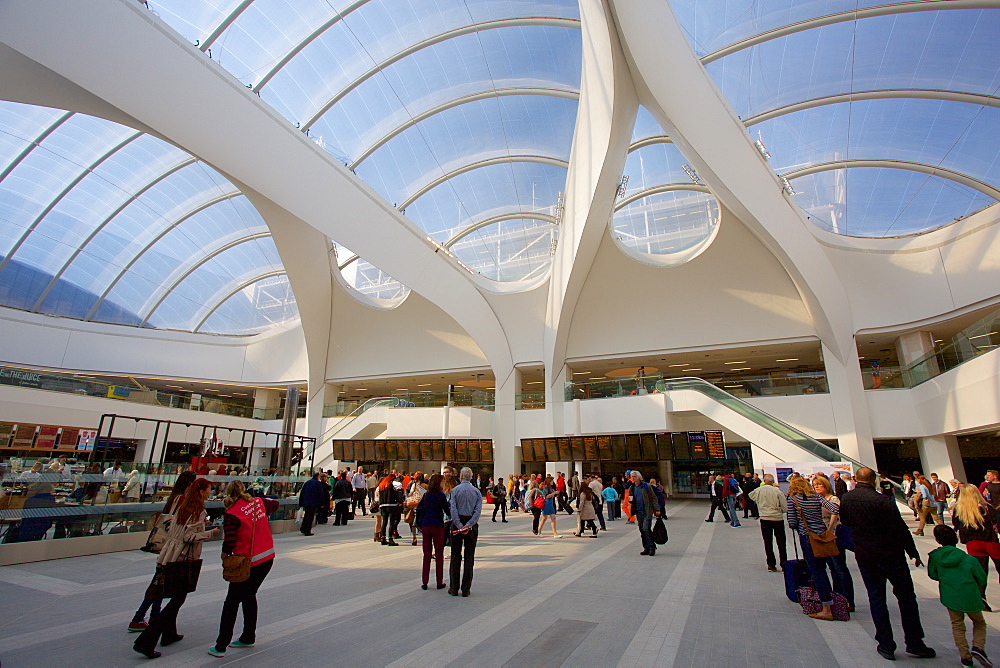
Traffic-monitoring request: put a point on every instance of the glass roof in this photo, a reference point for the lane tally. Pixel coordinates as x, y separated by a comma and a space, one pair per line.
458, 112
663, 215
915, 89
101, 222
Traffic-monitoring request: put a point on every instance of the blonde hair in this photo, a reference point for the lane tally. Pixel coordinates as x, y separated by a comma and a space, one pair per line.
825, 482
234, 492
800, 486
969, 507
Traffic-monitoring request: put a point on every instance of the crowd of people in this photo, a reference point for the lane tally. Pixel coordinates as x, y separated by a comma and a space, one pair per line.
828, 515
836, 514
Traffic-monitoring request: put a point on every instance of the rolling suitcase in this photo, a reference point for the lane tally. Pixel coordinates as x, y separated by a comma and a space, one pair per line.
796, 574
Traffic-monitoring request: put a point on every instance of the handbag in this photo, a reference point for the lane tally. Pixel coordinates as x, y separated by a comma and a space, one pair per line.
236, 567
175, 578
822, 544
660, 536
538, 502
809, 600
156, 538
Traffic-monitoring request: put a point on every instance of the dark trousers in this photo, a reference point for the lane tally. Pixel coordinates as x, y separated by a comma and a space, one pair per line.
775, 529
147, 603
615, 509
599, 507
717, 502
749, 507
502, 507
360, 496
563, 503
242, 594
463, 543
164, 625
307, 519
341, 509
536, 516
645, 523
433, 540
876, 573
390, 522
323, 513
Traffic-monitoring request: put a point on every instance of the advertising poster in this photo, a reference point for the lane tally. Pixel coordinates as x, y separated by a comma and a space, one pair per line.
6, 434
24, 436
68, 438
46, 438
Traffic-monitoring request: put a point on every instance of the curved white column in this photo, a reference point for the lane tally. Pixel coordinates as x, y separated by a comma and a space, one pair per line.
675, 87
604, 122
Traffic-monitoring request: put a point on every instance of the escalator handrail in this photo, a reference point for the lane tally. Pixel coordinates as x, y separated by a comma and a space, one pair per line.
350, 417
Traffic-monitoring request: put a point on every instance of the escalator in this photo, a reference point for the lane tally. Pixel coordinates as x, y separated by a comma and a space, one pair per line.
324, 446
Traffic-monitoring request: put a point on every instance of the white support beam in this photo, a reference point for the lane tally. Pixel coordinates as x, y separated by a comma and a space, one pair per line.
607, 110
710, 135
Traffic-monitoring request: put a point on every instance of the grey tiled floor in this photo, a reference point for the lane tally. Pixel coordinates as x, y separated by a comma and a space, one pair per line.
339, 599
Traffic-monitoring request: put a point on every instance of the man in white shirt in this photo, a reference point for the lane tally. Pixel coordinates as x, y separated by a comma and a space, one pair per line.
114, 474
360, 490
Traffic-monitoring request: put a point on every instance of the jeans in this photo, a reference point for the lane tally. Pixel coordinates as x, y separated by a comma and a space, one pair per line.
502, 507
433, 541
775, 529
615, 509
941, 505
958, 631
817, 568
610, 505
843, 583
876, 573
242, 594
645, 523
147, 603
734, 520
463, 542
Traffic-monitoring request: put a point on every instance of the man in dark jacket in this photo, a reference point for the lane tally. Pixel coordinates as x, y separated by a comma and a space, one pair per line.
881, 541
343, 492
839, 486
310, 498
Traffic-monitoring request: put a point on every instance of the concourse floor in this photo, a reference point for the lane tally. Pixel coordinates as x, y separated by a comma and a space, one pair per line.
339, 599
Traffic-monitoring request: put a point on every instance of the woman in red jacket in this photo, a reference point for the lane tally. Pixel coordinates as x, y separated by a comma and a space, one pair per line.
247, 533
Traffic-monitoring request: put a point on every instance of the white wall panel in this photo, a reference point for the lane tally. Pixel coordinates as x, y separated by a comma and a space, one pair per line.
734, 292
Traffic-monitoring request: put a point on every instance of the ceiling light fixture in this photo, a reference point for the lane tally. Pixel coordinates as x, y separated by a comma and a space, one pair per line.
692, 369
742, 368
685, 364
788, 359
424, 385
580, 373
741, 362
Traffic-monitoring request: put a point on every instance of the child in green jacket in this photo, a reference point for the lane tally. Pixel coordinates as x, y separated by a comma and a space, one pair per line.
960, 579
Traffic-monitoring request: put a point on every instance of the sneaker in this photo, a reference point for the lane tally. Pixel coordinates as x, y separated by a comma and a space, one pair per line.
215, 652
237, 643
137, 627
980, 656
772, 569
921, 652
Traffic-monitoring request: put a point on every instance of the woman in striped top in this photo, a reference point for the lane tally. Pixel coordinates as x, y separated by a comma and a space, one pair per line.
805, 503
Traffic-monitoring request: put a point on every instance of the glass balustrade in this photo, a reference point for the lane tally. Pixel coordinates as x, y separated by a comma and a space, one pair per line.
81, 385
973, 341
48, 506
783, 383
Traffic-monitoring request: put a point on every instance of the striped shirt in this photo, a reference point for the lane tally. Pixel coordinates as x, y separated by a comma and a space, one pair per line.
812, 508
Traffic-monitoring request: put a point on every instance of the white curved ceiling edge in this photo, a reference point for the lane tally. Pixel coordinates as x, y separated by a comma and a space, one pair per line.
197, 105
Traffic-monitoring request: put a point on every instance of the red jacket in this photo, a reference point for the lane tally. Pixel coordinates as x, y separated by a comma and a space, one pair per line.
253, 536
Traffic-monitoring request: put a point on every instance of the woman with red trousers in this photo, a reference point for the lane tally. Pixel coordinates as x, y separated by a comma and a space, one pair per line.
430, 518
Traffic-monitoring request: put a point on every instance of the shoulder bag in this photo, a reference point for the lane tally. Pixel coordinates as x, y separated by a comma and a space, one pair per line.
175, 578
236, 567
538, 501
822, 544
